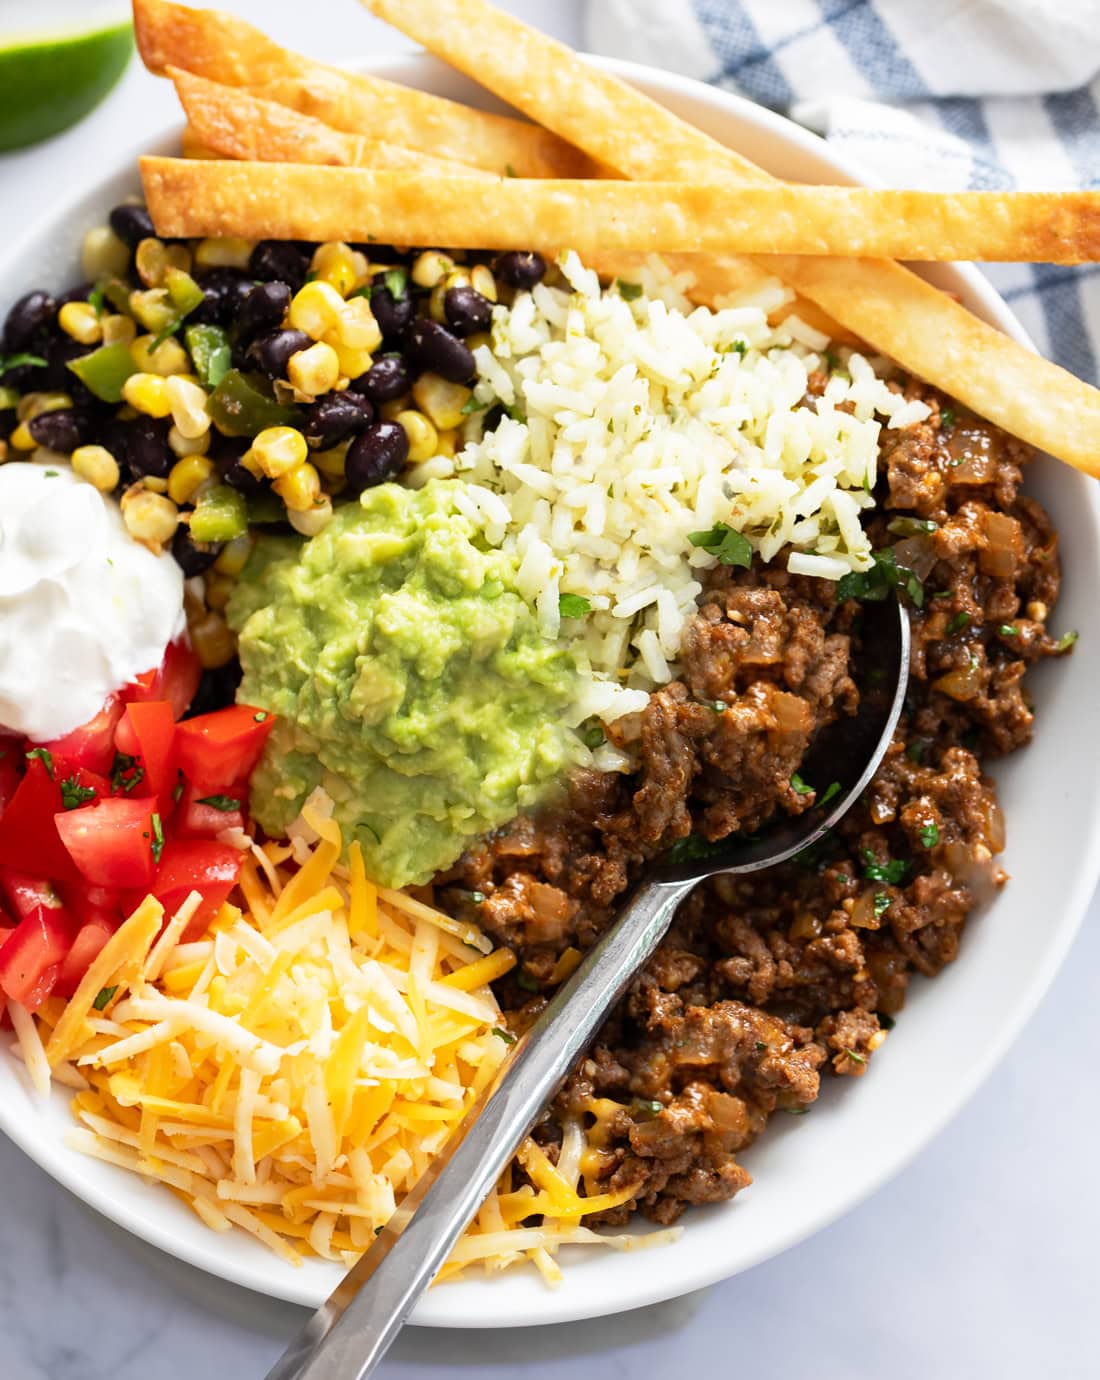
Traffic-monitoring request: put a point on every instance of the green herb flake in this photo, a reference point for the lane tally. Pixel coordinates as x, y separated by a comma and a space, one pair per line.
891, 872
831, 790
1066, 641
45, 757
629, 292
73, 794
885, 1020
514, 411
397, 280
105, 995
957, 623
916, 750
1008, 630
855, 1058
730, 547
157, 847
226, 803
505, 1035
526, 981
760, 1046
177, 792
645, 1109
20, 361
875, 584
947, 417
471, 405
509, 171
52, 474
260, 717
929, 835
882, 904
96, 297
799, 786
573, 605
593, 737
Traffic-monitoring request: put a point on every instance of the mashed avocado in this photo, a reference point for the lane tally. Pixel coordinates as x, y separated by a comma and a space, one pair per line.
408, 676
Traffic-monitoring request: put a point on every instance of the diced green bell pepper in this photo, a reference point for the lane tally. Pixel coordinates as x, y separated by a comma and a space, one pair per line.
239, 408
210, 353
221, 514
105, 370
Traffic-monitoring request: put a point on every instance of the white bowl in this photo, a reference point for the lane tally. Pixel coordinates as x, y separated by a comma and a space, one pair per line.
953, 1031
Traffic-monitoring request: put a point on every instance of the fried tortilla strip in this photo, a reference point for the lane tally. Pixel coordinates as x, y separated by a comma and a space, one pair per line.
236, 124
401, 207
225, 49
899, 314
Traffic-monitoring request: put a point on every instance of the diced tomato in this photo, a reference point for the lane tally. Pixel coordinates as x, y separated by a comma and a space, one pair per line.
176, 680
31, 956
190, 865
29, 839
90, 904
85, 948
149, 730
26, 894
76, 782
113, 843
92, 745
11, 769
197, 818
223, 746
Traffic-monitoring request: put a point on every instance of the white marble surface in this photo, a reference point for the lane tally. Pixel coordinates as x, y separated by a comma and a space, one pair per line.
979, 1261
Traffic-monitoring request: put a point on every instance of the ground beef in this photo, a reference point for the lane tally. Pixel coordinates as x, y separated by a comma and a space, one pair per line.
764, 981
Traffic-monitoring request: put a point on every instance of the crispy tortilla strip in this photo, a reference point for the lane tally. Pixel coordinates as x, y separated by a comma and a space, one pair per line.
235, 124
298, 201
880, 301
225, 49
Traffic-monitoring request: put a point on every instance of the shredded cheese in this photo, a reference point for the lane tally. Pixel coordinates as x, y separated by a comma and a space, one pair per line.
293, 1073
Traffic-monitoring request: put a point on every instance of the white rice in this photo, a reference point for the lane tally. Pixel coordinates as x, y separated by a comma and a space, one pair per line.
636, 423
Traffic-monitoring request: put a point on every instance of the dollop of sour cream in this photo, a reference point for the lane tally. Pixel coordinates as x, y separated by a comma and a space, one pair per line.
84, 609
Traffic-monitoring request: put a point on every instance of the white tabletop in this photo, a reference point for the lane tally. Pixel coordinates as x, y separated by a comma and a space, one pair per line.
979, 1261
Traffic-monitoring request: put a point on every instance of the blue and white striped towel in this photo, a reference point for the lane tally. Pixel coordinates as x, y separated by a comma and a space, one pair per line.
923, 93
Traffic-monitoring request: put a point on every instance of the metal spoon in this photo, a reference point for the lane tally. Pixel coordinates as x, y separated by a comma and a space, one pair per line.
349, 1334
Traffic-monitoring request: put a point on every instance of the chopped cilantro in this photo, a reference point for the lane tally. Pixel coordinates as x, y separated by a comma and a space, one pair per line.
226, 803
875, 584
526, 981
629, 292
397, 280
947, 417
799, 786
505, 1035
957, 623
1008, 630
509, 171
19, 361
760, 1046
856, 1058
471, 405
157, 847
260, 717
96, 297
735, 347
911, 526
891, 872
929, 835
73, 794
105, 995
593, 737
177, 792
831, 790
722, 541
514, 411
646, 1109
125, 772
916, 750
52, 474
882, 903
886, 1020
795, 1111
690, 848
45, 757
573, 605
1066, 641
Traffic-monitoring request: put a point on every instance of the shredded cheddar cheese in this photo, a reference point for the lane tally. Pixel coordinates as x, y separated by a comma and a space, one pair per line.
294, 1073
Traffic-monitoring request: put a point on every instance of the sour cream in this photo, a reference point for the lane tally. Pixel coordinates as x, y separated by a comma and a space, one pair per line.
84, 609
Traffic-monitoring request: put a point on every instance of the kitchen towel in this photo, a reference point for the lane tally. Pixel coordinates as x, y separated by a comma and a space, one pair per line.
950, 94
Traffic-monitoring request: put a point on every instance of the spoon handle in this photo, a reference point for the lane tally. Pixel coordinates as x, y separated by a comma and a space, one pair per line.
350, 1333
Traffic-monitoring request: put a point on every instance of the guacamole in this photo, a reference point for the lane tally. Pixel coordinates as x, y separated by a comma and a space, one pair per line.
409, 679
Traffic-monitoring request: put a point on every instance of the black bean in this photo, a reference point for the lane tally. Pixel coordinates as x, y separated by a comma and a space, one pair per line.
280, 260
467, 312
62, 430
132, 224
383, 252
272, 352
376, 456
387, 378
262, 310
192, 557
147, 450
226, 452
393, 312
336, 417
224, 293
27, 318
217, 689
75, 294
520, 268
57, 374
432, 346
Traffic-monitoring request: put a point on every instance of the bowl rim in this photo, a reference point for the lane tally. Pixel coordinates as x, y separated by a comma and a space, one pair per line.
444, 1308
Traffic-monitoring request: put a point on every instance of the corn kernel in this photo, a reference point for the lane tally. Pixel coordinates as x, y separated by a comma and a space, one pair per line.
421, 433
217, 589
97, 465
314, 519
459, 278
152, 309
357, 327
43, 455
118, 330
441, 400
482, 280
299, 488
147, 393
352, 363
390, 411
169, 357
431, 268
234, 555
333, 264
314, 371
448, 443
81, 321
153, 259
316, 309
331, 462
226, 252
187, 401
155, 483
212, 641
474, 342
277, 450
183, 446
32, 405
187, 476
103, 254
149, 517
21, 438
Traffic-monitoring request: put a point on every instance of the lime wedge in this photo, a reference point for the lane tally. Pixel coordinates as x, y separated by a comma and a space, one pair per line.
49, 81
